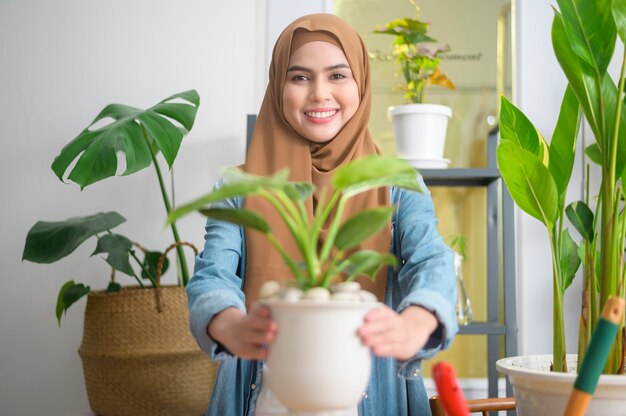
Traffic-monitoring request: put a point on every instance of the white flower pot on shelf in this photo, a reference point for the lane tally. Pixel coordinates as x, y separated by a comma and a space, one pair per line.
420, 132
539, 392
317, 362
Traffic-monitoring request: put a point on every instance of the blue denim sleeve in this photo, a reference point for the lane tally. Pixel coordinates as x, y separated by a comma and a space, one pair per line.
426, 277
215, 284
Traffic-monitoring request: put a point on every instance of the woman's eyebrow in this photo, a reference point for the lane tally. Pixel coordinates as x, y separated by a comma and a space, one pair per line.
305, 69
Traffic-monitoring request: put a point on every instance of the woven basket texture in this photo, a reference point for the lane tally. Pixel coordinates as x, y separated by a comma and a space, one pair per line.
139, 361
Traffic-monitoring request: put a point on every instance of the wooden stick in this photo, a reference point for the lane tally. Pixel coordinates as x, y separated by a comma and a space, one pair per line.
595, 357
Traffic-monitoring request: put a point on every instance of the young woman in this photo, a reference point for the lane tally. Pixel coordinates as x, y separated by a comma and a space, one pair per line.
313, 120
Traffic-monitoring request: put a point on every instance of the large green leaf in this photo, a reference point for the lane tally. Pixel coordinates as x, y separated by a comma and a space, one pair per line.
581, 76
591, 30
228, 190
362, 226
581, 218
529, 182
70, 292
570, 262
95, 151
118, 249
367, 263
374, 172
48, 242
619, 16
563, 143
609, 96
243, 217
515, 126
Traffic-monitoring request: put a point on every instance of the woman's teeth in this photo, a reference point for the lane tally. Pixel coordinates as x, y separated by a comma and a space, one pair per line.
322, 114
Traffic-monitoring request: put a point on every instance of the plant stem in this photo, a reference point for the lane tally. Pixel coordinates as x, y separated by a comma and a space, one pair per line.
152, 279
334, 228
292, 265
558, 351
184, 278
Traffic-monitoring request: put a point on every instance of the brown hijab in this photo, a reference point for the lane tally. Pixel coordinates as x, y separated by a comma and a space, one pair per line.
275, 145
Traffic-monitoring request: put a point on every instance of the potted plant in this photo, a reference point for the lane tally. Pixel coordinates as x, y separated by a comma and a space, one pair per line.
420, 129
537, 176
315, 324
137, 350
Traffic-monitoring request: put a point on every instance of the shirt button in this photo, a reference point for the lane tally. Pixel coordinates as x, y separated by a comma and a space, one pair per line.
365, 395
253, 386
416, 373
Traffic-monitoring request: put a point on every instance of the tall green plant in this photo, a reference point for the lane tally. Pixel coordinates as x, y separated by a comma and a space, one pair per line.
584, 35
318, 266
141, 135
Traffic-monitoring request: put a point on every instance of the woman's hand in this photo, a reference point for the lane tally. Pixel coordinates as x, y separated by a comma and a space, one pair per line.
244, 335
402, 335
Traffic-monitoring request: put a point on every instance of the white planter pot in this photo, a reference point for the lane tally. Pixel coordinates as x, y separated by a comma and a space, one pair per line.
538, 391
317, 362
420, 132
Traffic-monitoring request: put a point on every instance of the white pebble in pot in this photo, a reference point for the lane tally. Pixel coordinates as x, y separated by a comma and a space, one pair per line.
269, 289
346, 287
292, 294
317, 293
367, 296
347, 296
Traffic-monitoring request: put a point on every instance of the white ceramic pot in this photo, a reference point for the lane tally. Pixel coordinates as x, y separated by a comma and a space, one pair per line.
539, 392
420, 132
317, 362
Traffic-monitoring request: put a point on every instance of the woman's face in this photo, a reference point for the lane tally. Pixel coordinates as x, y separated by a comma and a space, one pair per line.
320, 93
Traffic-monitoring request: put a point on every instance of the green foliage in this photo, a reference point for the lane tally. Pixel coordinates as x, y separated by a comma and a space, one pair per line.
418, 56
320, 264
91, 157
584, 35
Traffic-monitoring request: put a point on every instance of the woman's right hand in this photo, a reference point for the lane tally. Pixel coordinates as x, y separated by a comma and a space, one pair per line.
244, 335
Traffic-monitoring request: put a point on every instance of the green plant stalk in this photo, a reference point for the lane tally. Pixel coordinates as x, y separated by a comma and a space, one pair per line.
152, 279
184, 278
609, 244
334, 268
295, 226
334, 228
290, 263
558, 329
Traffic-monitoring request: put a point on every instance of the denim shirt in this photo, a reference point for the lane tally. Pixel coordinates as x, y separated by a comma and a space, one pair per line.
425, 277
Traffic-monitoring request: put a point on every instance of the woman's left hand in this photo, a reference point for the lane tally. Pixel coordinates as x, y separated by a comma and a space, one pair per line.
398, 335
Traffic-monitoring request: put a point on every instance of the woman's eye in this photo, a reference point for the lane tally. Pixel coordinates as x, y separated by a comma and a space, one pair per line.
338, 76
299, 78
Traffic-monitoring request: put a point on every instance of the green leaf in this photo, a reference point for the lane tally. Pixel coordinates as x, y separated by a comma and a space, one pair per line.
95, 151
619, 16
570, 262
563, 143
113, 287
529, 182
298, 191
609, 95
594, 153
581, 76
367, 263
228, 190
150, 261
515, 127
48, 242
591, 30
362, 226
118, 249
373, 172
70, 292
581, 218
243, 217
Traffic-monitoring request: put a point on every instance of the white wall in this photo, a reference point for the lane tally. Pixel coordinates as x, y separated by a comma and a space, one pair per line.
61, 62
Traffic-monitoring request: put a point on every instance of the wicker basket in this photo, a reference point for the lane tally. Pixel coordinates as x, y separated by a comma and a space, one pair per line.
139, 357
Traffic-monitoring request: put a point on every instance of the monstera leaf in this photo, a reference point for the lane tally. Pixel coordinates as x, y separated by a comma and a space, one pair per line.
137, 133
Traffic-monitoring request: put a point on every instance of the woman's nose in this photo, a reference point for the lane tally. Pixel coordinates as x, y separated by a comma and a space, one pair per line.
320, 91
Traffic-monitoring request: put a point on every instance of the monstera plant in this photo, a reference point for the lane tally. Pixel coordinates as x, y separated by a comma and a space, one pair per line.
141, 135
